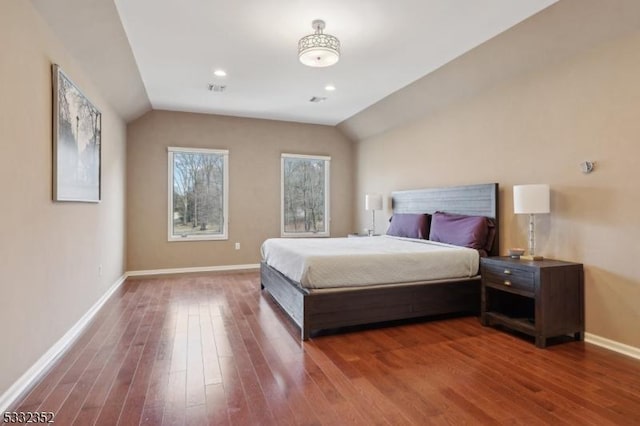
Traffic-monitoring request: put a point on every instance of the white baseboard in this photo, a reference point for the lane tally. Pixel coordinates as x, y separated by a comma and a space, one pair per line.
41, 366
191, 270
612, 345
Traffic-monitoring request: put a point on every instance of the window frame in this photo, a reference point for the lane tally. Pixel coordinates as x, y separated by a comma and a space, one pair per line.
225, 194
327, 196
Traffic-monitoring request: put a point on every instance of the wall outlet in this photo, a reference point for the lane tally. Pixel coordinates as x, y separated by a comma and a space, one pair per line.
237, 246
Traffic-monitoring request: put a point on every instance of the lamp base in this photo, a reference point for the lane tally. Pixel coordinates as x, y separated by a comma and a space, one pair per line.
529, 257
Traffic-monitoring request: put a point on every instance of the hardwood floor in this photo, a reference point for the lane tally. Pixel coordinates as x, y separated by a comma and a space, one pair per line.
214, 349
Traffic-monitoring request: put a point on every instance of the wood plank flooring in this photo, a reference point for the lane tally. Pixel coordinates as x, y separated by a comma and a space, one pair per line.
214, 349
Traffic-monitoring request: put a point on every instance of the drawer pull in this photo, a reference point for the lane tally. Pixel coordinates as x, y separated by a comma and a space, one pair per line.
507, 272
507, 282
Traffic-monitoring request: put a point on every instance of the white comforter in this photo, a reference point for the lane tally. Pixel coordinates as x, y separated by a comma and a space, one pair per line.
349, 262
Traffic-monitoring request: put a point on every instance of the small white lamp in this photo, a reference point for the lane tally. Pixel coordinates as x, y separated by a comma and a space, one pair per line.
373, 202
531, 200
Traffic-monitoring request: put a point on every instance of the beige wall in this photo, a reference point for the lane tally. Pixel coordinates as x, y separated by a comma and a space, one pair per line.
254, 178
49, 252
538, 128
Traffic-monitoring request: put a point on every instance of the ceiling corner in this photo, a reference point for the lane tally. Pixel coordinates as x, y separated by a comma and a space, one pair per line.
81, 26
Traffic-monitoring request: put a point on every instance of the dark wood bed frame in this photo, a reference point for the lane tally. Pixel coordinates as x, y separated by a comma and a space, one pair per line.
313, 311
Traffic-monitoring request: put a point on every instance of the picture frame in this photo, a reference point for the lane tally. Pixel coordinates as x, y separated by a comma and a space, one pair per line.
77, 142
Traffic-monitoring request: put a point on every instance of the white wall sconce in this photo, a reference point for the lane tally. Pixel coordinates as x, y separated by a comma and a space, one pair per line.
587, 166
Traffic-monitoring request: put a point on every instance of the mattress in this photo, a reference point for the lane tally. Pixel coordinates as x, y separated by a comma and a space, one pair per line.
352, 262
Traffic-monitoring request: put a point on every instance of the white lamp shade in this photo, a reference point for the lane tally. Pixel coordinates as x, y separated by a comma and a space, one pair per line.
531, 199
373, 202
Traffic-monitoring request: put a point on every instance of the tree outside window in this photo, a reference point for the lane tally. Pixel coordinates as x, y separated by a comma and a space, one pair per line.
305, 195
198, 194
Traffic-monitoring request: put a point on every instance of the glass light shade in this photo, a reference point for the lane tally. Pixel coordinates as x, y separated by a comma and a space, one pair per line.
373, 202
531, 199
319, 57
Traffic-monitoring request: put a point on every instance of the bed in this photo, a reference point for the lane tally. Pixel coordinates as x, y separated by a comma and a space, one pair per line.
314, 309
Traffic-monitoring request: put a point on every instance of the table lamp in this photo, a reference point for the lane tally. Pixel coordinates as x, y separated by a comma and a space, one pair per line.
373, 202
531, 200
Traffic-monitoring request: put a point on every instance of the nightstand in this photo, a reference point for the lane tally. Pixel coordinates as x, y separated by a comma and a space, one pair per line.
543, 298
362, 235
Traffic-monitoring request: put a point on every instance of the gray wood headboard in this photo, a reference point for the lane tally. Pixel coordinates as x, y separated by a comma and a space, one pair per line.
476, 200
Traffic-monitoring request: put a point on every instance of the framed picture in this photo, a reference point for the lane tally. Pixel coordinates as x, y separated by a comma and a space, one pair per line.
77, 126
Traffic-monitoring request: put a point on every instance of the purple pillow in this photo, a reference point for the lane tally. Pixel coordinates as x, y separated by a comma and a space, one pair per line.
460, 230
409, 225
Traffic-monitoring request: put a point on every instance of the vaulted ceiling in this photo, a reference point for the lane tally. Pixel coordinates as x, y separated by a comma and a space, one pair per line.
385, 46
176, 46
161, 54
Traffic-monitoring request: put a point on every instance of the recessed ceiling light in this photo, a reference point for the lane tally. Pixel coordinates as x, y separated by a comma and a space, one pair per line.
220, 73
329, 87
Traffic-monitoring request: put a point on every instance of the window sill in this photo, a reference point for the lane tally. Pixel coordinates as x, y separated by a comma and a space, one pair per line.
199, 238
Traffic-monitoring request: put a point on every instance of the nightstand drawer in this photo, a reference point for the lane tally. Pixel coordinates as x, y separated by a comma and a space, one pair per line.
520, 279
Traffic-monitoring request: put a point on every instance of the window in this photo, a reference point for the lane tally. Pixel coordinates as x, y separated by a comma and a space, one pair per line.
198, 194
305, 195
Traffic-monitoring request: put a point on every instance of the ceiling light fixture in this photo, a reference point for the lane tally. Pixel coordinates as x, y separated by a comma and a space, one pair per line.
220, 73
319, 49
329, 87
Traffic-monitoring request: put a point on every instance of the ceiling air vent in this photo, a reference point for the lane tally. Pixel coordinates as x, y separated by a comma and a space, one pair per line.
317, 99
217, 87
